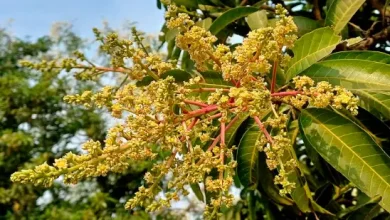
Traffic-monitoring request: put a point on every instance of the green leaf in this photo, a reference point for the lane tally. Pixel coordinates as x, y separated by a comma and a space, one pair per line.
230, 16
340, 12
367, 74
350, 150
178, 75
257, 20
376, 102
197, 191
247, 158
305, 25
310, 48
171, 34
205, 23
361, 55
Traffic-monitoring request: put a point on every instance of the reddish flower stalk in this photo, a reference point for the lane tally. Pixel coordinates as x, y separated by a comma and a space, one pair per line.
273, 82
216, 140
191, 102
289, 93
201, 111
264, 130
215, 116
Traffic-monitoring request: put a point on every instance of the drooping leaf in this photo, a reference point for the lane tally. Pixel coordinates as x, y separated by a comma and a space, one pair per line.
178, 75
350, 150
340, 12
367, 74
230, 16
257, 20
247, 158
310, 48
197, 191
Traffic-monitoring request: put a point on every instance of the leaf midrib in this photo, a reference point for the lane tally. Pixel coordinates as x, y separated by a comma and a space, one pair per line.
343, 15
344, 144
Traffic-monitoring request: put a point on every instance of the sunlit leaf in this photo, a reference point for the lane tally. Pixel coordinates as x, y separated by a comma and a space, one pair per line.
350, 150
310, 48
340, 12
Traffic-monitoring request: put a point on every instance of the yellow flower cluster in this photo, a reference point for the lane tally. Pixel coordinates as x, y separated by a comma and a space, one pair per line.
183, 127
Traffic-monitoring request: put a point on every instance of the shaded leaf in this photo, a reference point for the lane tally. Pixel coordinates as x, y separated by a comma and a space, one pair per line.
310, 48
340, 12
230, 16
247, 158
360, 160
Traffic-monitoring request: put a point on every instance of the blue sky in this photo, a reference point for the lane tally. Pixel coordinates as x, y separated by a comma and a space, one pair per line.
34, 18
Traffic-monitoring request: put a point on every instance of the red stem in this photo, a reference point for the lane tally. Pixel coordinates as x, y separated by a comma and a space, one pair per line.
274, 77
201, 111
196, 103
215, 116
264, 130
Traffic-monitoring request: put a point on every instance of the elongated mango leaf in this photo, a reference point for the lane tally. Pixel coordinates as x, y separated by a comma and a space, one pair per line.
178, 75
229, 16
257, 20
310, 48
367, 74
247, 158
340, 12
197, 191
376, 102
350, 150
361, 55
